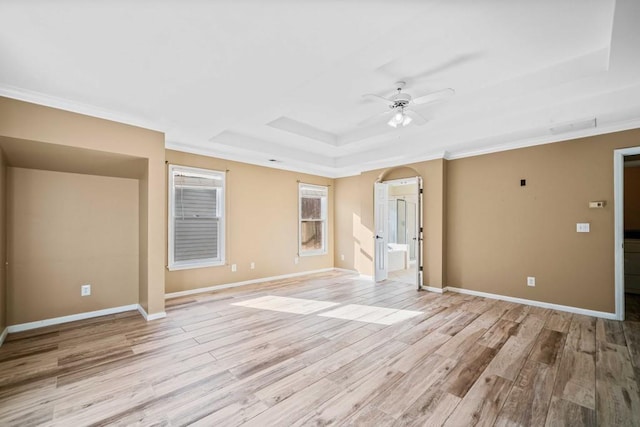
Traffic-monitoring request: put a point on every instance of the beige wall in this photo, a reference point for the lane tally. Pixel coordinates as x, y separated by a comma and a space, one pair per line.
3, 242
352, 238
26, 121
499, 232
354, 218
484, 232
261, 224
632, 197
65, 230
403, 190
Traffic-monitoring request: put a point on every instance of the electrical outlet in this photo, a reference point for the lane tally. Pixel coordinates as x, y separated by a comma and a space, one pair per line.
253, 265
531, 281
296, 260
342, 257
234, 268
85, 290
582, 227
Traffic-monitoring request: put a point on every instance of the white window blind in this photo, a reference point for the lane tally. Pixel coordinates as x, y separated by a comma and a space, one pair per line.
312, 235
196, 223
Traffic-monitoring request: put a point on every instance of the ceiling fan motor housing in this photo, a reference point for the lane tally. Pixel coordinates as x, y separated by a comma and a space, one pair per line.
400, 100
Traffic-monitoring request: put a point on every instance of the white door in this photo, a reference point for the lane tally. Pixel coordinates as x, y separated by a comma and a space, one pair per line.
381, 224
419, 236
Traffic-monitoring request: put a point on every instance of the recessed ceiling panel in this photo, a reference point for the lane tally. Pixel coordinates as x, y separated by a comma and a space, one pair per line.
285, 79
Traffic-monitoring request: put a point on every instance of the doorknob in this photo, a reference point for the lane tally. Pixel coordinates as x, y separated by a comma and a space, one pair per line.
378, 237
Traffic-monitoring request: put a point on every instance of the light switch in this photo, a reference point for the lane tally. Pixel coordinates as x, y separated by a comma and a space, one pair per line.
582, 227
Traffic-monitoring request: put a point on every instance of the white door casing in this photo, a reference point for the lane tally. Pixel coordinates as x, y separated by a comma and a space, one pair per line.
381, 232
618, 199
419, 237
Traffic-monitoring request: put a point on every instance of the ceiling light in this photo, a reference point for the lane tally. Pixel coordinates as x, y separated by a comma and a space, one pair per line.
399, 118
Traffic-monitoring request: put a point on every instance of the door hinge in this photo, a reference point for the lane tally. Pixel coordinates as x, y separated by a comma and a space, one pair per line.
421, 268
421, 190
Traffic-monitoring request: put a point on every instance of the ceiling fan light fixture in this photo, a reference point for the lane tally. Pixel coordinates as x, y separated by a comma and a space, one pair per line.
399, 119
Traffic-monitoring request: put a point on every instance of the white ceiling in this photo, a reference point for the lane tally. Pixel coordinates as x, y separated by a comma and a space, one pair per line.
259, 80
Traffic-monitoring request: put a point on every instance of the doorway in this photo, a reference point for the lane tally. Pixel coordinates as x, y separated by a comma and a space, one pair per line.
627, 233
631, 211
398, 224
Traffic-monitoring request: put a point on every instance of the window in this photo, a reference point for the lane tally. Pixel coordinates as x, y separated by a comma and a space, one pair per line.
313, 219
196, 217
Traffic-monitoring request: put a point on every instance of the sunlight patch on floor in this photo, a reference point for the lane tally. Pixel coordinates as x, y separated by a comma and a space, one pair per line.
371, 314
360, 313
286, 304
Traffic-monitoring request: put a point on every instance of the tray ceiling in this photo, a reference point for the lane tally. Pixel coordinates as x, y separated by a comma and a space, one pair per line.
254, 81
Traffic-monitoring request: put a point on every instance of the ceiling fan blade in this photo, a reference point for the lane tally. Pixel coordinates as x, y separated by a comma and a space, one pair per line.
453, 62
377, 98
378, 118
434, 96
417, 118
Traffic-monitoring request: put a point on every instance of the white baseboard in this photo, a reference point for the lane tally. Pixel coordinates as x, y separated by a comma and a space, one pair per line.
150, 317
433, 289
346, 270
567, 308
71, 318
244, 283
360, 276
3, 335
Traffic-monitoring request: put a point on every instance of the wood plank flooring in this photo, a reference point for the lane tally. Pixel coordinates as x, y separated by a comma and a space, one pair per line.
220, 359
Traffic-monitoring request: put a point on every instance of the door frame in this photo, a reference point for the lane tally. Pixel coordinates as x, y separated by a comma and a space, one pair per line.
618, 209
381, 231
419, 226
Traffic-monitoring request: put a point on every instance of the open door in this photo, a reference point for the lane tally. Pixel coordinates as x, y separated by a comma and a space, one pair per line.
419, 237
381, 224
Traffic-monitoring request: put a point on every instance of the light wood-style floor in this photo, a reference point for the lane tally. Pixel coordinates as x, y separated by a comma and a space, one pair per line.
462, 361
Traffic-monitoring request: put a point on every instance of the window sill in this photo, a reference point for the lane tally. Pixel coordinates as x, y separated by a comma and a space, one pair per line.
195, 265
306, 254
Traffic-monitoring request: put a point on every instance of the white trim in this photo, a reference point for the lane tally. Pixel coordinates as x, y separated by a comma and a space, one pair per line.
243, 283
222, 214
542, 304
3, 335
77, 107
71, 318
618, 213
360, 276
150, 317
545, 139
333, 172
433, 289
346, 270
324, 215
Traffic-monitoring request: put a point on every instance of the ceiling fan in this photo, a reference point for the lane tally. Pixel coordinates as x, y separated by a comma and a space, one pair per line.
400, 113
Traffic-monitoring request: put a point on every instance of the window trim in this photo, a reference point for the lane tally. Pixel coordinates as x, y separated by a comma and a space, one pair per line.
324, 220
221, 195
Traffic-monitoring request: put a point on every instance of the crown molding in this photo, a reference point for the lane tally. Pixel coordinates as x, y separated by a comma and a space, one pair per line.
77, 107
548, 139
288, 165
303, 166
